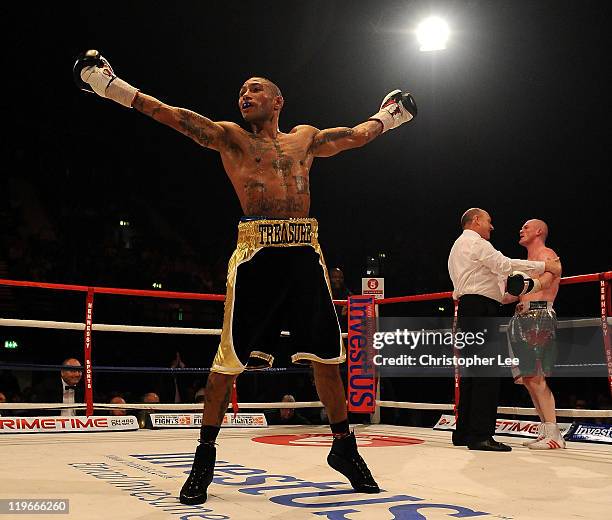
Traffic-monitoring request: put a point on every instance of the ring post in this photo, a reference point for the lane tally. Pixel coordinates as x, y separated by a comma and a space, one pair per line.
87, 351
604, 298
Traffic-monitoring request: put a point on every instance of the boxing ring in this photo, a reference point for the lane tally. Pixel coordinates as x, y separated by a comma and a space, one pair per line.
280, 471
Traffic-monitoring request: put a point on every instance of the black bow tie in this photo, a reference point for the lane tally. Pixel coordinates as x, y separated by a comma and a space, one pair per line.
70, 387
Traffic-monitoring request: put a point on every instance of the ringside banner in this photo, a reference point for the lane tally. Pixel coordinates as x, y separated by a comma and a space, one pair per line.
588, 432
76, 423
194, 420
503, 426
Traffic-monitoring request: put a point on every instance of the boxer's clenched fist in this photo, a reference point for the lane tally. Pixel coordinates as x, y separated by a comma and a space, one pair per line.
519, 283
93, 73
397, 108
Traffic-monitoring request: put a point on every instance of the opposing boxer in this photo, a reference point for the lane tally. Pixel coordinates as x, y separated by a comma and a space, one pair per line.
278, 266
532, 331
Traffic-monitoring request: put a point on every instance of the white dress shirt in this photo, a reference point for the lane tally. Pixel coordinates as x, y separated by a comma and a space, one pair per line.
476, 267
68, 398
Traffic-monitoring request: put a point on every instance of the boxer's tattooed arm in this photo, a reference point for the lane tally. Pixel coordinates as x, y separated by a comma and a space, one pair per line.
198, 127
147, 105
329, 136
201, 129
329, 142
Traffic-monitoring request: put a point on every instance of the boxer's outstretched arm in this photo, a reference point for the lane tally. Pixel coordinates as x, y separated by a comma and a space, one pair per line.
331, 141
94, 73
396, 109
201, 129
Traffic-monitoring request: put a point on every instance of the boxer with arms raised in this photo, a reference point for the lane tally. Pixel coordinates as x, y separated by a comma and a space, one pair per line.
532, 330
277, 269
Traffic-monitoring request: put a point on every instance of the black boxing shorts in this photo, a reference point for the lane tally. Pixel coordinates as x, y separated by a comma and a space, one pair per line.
277, 280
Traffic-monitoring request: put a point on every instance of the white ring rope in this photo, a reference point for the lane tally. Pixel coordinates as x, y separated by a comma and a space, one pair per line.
561, 412
153, 406
513, 410
105, 327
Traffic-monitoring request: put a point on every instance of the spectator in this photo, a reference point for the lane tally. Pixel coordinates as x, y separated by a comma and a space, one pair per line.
9, 384
340, 292
144, 420
67, 389
200, 395
175, 390
287, 415
2, 400
150, 397
118, 411
581, 404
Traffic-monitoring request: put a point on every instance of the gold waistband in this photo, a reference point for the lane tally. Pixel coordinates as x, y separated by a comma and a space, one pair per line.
255, 234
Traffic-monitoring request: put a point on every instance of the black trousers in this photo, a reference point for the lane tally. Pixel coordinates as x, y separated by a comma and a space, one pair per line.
478, 396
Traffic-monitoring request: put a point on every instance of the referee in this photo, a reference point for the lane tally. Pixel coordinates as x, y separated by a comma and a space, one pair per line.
479, 273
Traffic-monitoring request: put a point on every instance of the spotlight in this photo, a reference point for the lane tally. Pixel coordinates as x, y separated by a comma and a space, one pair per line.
432, 34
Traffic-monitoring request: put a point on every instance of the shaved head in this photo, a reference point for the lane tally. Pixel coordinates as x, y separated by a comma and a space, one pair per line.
273, 86
534, 231
267, 83
541, 225
260, 101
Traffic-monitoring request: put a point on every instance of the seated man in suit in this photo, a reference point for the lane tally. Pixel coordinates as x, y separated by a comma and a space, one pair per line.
64, 390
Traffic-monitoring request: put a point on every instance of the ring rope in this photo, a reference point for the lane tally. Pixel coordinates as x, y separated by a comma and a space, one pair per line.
568, 280
562, 412
512, 410
148, 329
106, 327
153, 406
171, 370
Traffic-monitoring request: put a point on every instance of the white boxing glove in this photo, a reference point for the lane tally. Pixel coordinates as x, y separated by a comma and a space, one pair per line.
396, 109
93, 73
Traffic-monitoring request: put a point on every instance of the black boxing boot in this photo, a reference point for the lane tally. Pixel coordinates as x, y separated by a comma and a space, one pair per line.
194, 490
345, 458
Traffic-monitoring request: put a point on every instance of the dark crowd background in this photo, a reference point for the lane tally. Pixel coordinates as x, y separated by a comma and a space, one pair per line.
513, 118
